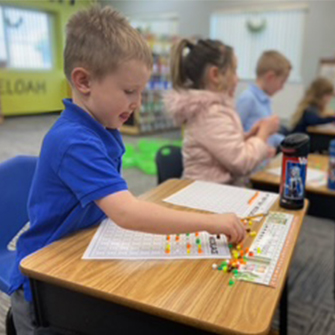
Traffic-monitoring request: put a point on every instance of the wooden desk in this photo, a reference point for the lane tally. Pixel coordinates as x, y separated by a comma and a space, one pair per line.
322, 200
149, 297
320, 137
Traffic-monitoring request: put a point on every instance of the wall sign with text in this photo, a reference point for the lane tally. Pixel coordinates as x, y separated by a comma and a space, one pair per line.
22, 87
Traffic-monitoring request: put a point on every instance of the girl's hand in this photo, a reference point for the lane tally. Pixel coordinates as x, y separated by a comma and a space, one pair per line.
271, 152
253, 131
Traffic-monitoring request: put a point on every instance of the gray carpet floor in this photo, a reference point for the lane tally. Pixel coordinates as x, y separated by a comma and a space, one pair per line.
311, 284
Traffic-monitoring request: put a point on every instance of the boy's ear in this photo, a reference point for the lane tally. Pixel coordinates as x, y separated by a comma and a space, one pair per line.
270, 75
81, 80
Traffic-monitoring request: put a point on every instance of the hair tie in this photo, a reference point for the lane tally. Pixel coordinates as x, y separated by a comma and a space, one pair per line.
190, 45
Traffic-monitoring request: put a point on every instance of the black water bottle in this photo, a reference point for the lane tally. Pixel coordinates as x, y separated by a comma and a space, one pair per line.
295, 149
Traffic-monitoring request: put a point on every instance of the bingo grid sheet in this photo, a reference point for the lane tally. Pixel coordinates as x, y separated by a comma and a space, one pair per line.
112, 242
220, 199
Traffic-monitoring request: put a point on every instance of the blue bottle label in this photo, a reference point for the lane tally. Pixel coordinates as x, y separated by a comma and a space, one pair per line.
331, 173
293, 178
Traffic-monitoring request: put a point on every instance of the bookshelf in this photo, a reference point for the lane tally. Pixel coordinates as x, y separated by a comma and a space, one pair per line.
152, 117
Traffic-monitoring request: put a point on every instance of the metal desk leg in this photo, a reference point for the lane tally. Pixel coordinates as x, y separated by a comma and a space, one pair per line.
284, 310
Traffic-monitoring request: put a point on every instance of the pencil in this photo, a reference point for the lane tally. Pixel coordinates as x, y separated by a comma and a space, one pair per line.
254, 216
251, 200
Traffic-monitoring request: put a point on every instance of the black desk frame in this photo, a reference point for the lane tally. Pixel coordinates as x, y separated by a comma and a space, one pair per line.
81, 314
320, 142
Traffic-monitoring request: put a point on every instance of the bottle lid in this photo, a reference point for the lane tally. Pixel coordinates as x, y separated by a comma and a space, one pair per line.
295, 142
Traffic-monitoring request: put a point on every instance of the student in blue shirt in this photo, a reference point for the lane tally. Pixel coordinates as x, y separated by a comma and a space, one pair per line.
254, 104
313, 106
78, 179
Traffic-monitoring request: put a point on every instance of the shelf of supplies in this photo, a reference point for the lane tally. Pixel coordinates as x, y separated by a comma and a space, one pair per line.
152, 117
130, 130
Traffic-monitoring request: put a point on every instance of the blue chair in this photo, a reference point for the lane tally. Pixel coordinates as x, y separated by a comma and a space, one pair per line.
16, 176
169, 162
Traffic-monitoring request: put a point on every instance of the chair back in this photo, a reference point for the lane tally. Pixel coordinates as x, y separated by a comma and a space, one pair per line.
169, 163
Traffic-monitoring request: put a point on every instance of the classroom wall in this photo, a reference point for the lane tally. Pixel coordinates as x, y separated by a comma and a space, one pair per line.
28, 91
319, 40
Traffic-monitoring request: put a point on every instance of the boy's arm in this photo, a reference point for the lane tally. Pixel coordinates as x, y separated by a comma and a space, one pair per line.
135, 214
275, 140
245, 107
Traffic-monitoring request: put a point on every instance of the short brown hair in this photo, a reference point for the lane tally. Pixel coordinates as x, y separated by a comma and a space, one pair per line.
99, 39
272, 60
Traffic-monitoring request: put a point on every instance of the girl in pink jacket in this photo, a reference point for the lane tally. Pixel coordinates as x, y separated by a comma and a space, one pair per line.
215, 148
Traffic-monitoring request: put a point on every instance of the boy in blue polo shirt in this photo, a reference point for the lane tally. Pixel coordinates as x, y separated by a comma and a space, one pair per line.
254, 104
78, 179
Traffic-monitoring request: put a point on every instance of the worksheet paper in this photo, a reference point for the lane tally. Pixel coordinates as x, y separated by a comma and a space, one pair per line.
113, 242
269, 250
220, 199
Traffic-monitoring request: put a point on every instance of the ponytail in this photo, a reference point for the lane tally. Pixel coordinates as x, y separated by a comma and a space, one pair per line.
178, 75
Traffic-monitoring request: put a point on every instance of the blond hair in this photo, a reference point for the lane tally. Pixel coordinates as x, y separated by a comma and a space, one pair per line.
188, 71
99, 39
314, 96
272, 60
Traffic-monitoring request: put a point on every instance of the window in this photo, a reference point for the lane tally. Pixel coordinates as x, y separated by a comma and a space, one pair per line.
251, 33
25, 41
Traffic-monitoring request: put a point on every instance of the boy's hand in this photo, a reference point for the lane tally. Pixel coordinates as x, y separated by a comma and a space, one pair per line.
268, 126
271, 123
228, 224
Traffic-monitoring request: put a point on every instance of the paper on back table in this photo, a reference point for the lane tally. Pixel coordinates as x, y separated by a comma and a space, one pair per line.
314, 177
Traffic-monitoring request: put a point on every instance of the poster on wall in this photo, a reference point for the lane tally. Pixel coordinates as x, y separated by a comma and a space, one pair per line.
327, 69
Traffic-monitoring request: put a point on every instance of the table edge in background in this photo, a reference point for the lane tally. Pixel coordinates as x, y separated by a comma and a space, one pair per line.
321, 198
